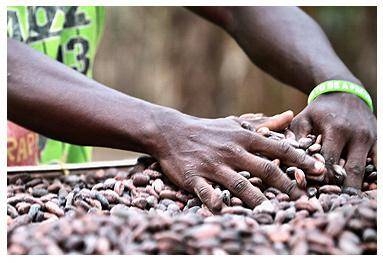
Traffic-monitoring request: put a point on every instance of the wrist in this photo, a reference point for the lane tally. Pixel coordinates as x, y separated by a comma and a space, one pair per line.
163, 125
342, 86
328, 71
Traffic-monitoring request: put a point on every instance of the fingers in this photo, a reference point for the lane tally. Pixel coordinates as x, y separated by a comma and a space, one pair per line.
241, 187
270, 174
207, 195
275, 123
252, 116
355, 165
332, 147
301, 126
279, 122
286, 153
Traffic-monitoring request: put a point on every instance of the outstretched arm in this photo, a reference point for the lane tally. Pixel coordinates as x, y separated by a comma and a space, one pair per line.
54, 100
283, 41
290, 45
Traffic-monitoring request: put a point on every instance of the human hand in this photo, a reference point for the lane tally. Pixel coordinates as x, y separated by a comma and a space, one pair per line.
193, 152
348, 129
277, 122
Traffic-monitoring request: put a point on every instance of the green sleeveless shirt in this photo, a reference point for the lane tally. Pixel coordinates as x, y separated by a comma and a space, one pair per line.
69, 35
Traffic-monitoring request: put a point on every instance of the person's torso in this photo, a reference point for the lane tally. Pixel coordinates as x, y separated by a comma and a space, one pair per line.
68, 34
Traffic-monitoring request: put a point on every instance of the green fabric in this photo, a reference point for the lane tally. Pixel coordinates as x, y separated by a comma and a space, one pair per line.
341, 86
69, 35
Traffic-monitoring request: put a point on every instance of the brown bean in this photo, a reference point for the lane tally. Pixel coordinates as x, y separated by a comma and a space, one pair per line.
23, 207
119, 188
256, 182
54, 208
330, 189
305, 143
140, 179
300, 178
168, 194
314, 148
329, 222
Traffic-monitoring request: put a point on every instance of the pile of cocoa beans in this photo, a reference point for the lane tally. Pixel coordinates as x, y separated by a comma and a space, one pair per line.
139, 211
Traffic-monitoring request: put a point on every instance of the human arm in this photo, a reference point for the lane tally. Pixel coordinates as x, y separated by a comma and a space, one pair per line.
290, 45
56, 101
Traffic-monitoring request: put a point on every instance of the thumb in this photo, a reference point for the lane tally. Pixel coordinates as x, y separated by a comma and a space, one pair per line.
278, 122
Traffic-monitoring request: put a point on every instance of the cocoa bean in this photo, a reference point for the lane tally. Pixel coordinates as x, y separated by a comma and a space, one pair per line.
54, 208
168, 194
39, 192
330, 189
33, 210
312, 191
226, 197
235, 201
264, 131
119, 188
300, 178
340, 172
12, 211
291, 171
314, 148
158, 185
305, 143
140, 179
245, 174
256, 182
319, 157
155, 217
23, 207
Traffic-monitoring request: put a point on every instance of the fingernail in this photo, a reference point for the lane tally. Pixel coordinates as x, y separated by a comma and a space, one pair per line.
319, 167
289, 112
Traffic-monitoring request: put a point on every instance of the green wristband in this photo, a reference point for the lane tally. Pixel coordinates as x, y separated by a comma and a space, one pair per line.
342, 86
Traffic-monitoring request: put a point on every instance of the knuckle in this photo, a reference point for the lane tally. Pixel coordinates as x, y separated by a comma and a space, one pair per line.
230, 149
288, 187
285, 148
203, 192
300, 158
251, 140
239, 185
207, 161
258, 199
189, 176
189, 183
247, 125
268, 169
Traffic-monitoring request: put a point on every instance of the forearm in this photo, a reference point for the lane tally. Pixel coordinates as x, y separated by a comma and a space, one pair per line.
285, 42
56, 101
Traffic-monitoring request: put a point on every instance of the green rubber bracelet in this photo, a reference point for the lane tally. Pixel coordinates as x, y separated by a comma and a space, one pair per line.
342, 86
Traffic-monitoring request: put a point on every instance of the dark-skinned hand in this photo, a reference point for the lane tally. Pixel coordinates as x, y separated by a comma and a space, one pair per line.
348, 127
194, 152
